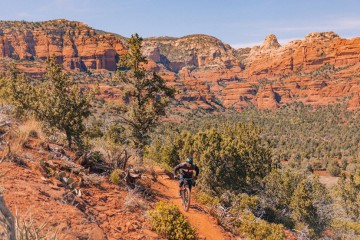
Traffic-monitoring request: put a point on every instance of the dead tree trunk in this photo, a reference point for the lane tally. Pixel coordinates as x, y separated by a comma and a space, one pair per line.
131, 178
7, 226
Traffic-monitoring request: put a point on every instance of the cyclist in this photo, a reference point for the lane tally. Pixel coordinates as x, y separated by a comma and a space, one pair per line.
186, 171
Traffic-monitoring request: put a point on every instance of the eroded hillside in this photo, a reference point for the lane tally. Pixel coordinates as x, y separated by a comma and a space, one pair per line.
321, 69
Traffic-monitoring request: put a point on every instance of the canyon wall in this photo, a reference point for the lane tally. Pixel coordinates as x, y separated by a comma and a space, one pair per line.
74, 44
321, 69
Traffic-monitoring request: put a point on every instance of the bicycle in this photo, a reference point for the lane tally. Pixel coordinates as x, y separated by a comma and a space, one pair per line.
185, 193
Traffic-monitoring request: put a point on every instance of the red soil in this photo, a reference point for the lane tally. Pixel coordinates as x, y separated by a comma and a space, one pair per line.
205, 225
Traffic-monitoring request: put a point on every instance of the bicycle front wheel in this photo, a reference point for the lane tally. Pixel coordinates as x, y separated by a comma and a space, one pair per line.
186, 199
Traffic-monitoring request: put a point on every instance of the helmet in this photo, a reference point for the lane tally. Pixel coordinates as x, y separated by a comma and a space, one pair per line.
190, 160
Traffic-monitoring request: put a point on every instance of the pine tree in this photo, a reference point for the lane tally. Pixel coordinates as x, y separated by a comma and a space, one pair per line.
145, 95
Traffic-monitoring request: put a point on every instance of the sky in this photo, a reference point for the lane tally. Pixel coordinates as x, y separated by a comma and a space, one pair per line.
239, 23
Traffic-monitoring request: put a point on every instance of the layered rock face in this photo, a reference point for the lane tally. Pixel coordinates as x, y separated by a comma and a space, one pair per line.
191, 52
318, 70
321, 69
200, 66
74, 44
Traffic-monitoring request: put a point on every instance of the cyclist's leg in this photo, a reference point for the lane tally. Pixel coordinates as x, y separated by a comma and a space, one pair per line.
181, 183
190, 185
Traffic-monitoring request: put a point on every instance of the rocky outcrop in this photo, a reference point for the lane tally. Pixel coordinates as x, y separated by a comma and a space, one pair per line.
270, 42
320, 69
192, 52
266, 98
74, 44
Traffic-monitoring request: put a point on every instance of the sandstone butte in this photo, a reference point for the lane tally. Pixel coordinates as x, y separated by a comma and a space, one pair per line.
321, 69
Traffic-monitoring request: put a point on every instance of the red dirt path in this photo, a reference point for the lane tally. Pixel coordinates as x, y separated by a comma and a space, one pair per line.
205, 225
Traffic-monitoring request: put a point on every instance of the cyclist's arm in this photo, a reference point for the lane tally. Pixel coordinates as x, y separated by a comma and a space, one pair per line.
196, 171
177, 168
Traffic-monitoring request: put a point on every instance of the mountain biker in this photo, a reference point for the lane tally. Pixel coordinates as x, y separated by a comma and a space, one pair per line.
186, 171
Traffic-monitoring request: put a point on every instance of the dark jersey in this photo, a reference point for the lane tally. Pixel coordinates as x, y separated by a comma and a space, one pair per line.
186, 170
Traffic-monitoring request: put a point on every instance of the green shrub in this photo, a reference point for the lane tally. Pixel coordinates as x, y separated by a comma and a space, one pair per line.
167, 220
255, 228
297, 200
334, 169
231, 157
211, 202
345, 227
310, 207
94, 131
348, 191
206, 199
279, 187
115, 176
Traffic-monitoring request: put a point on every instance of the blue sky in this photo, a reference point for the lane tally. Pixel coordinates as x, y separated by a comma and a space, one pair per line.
237, 22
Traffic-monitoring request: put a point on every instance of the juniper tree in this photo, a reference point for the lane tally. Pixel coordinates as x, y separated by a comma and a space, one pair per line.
17, 90
4, 88
57, 101
145, 95
310, 206
232, 157
348, 190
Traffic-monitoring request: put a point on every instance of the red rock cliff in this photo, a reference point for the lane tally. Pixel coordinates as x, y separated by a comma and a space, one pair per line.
75, 44
321, 69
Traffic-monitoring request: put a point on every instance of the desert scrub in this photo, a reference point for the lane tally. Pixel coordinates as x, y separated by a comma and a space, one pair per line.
115, 176
255, 228
212, 203
206, 199
134, 201
167, 220
345, 228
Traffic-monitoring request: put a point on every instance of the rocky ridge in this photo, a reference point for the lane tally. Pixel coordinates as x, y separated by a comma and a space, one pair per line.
74, 44
321, 69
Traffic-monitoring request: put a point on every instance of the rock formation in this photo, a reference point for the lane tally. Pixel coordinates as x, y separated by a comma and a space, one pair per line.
270, 42
320, 69
74, 44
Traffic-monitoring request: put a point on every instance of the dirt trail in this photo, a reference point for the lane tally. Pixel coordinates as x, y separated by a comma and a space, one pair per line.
205, 225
